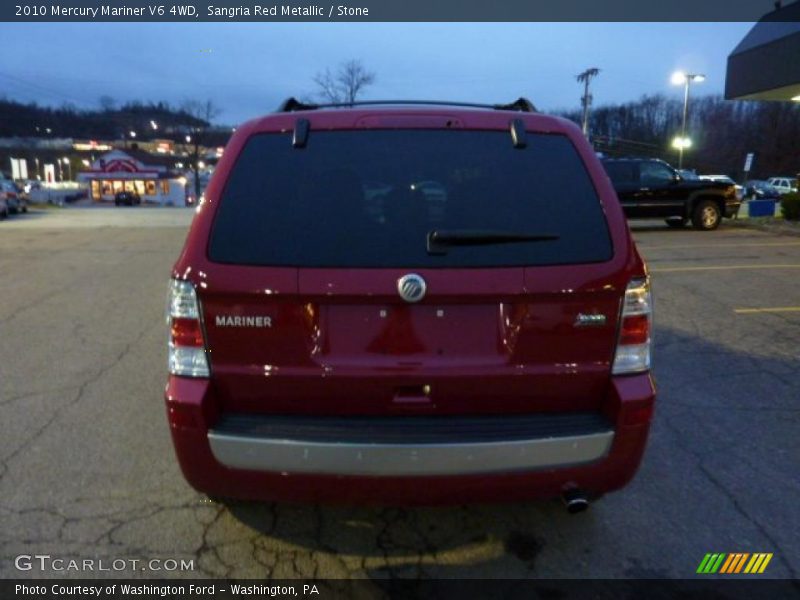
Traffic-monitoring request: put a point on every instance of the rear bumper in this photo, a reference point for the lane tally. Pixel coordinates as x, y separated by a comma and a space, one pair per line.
224, 458
403, 447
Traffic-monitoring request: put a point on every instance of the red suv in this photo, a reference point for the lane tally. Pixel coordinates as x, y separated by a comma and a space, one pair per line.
406, 303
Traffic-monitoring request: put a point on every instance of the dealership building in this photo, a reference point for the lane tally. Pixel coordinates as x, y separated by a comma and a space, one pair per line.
132, 170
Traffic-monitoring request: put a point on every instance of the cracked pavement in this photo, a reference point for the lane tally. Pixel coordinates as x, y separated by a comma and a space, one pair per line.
87, 468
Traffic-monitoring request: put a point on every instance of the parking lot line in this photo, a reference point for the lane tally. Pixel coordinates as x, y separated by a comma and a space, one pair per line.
776, 309
722, 268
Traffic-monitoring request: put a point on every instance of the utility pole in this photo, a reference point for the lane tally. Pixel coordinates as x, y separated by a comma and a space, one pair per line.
586, 101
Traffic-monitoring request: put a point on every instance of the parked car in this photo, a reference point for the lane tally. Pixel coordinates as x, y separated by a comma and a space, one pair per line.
3, 209
80, 194
725, 179
15, 201
127, 199
31, 185
784, 185
320, 352
192, 200
650, 188
760, 190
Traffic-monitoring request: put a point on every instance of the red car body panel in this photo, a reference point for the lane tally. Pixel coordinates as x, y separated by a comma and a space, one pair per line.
342, 343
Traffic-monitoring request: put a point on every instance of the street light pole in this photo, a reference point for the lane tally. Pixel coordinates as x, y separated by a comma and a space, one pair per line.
686, 79
683, 126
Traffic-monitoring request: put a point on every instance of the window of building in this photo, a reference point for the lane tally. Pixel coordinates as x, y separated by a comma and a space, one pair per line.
96, 195
106, 187
117, 186
164, 187
139, 186
150, 187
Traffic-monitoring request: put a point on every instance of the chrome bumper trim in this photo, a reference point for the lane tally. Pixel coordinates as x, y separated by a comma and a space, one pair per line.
325, 458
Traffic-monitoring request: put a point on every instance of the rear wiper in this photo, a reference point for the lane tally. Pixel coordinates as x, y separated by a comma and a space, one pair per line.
440, 239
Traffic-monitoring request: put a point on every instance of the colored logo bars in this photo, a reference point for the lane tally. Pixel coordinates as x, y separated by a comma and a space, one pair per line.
736, 562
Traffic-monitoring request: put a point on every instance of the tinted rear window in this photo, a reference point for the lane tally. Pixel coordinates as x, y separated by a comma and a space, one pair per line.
369, 198
621, 172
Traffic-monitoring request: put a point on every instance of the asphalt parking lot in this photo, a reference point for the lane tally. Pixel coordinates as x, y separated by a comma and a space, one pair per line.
87, 468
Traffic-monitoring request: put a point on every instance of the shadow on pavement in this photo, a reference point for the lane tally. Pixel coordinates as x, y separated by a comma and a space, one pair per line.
32, 214
716, 404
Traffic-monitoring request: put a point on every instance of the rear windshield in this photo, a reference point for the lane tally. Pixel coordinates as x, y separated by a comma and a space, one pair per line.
369, 198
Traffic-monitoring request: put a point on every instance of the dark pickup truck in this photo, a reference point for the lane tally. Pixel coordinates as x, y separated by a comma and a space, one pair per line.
652, 189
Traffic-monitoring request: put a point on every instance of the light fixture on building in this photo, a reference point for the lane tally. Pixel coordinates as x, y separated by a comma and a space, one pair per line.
132, 134
90, 145
154, 125
188, 139
796, 99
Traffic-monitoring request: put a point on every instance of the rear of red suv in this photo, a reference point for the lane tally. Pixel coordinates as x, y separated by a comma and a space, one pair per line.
409, 304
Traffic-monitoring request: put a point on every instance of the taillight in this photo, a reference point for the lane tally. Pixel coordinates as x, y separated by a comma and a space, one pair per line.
633, 346
187, 353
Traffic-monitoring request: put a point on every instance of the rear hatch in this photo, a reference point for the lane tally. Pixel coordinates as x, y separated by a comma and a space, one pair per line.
302, 305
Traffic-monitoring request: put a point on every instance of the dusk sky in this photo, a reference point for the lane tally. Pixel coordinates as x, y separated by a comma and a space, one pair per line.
247, 69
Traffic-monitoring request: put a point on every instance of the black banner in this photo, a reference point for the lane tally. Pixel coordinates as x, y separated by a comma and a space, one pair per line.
387, 10
511, 589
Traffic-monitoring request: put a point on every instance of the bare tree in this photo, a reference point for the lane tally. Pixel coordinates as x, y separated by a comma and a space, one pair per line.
107, 103
723, 133
203, 113
345, 84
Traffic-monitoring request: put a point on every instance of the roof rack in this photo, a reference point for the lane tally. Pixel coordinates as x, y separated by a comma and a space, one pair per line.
294, 105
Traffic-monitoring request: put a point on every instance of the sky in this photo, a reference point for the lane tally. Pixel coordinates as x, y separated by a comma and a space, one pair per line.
248, 68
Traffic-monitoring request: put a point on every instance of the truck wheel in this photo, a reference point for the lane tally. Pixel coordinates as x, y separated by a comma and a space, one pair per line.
706, 215
676, 222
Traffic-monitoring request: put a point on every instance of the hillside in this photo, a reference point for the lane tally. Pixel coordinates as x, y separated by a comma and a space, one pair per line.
32, 120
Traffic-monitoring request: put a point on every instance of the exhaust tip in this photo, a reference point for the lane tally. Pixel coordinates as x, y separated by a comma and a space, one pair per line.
575, 501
